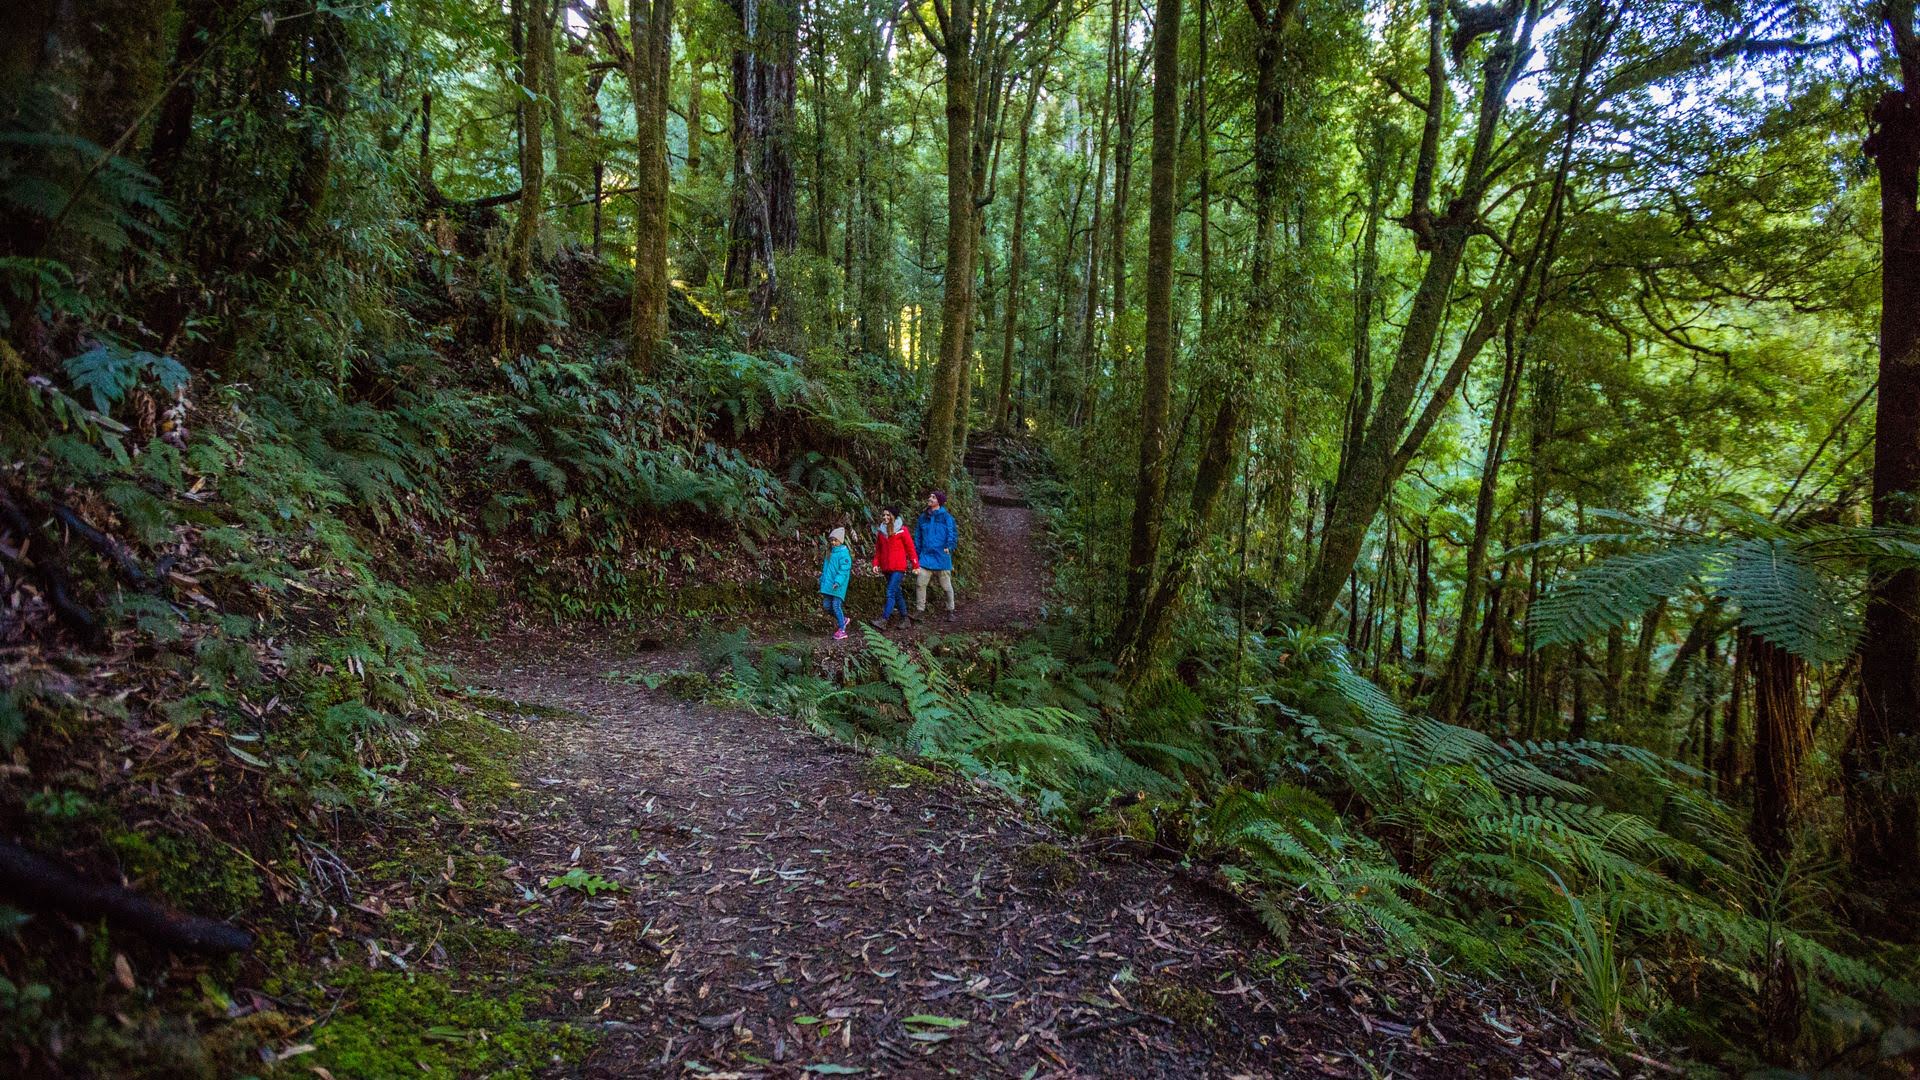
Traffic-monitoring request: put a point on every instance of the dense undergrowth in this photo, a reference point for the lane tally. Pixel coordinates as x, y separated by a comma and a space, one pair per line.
1601, 872
219, 575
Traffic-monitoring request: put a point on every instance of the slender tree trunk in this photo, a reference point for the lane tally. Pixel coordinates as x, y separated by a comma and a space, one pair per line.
1016, 261
599, 163
1126, 110
696, 111
1084, 344
1450, 701
1883, 781
1206, 187
876, 247
1728, 767
956, 302
649, 61
1150, 486
1143, 626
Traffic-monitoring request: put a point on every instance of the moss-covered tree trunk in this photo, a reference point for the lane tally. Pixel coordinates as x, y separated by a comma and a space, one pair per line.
1016, 261
1144, 630
955, 42
533, 37
1156, 398
649, 63
876, 294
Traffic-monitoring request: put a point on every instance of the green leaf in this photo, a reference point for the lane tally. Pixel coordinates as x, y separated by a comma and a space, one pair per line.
828, 1068
251, 759
936, 1021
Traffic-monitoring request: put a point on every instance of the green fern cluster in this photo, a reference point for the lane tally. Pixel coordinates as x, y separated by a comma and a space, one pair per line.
1502, 853
1797, 586
1042, 750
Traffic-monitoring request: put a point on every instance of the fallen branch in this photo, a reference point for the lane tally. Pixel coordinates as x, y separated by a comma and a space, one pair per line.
1117, 1022
114, 551
55, 584
38, 884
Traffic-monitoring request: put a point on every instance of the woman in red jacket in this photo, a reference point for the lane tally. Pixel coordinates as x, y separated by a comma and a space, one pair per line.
893, 555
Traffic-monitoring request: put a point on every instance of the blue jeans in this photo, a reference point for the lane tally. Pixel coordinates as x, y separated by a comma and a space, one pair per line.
895, 599
835, 609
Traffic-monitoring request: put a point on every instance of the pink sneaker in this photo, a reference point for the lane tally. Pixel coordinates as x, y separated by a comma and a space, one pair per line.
840, 634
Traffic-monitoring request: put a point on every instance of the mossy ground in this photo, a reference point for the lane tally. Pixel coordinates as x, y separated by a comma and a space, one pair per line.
885, 771
474, 997
1049, 864
397, 1023
1178, 1001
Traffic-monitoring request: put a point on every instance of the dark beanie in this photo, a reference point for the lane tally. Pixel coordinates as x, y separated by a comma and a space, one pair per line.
939, 496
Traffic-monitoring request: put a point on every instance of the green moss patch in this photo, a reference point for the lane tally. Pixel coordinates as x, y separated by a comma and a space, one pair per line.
403, 1024
1048, 864
885, 770
1179, 1002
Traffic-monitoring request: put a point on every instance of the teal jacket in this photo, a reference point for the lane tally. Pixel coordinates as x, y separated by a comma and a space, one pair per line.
836, 571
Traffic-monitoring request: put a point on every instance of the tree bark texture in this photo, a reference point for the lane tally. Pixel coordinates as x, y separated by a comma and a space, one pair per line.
765, 222
1879, 759
649, 63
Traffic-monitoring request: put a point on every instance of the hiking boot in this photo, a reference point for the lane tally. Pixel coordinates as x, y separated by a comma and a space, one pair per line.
953, 616
880, 624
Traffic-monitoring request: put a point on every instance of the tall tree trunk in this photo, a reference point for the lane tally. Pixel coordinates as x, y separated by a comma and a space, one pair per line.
876, 241
1882, 790
1084, 345
1450, 700
598, 165
533, 37
1016, 260
765, 223
696, 111
956, 302
1143, 627
649, 61
1150, 486
1206, 187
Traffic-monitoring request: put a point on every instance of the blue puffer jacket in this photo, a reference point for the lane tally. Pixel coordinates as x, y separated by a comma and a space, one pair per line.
936, 534
834, 574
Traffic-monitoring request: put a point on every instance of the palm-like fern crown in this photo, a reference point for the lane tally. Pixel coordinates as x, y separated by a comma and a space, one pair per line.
1797, 587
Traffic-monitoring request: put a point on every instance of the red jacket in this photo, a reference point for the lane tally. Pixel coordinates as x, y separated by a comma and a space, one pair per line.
895, 552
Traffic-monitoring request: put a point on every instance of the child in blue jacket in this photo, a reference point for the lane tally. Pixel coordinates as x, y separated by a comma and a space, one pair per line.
833, 580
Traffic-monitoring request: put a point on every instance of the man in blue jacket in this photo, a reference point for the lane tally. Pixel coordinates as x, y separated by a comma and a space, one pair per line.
935, 534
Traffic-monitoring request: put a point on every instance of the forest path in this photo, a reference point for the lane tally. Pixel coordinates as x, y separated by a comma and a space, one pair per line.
791, 907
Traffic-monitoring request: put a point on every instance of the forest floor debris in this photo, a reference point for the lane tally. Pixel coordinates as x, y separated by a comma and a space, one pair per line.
773, 903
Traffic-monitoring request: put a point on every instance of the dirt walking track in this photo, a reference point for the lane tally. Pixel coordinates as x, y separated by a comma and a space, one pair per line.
789, 909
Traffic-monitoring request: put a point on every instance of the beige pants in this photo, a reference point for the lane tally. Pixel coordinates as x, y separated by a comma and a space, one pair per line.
920, 578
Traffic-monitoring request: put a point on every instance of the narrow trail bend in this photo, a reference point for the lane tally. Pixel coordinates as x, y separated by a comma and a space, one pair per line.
787, 908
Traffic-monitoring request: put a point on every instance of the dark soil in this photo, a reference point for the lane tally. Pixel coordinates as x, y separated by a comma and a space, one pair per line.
788, 906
